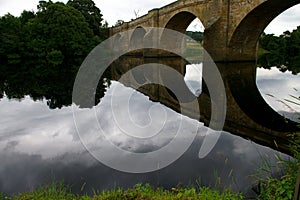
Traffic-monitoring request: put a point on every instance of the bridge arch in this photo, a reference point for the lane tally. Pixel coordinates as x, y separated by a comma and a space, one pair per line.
137, 37
117, 39
244, 40
244, 44
179, 21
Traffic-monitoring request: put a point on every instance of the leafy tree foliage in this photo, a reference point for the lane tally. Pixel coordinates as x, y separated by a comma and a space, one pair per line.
281, 51
56, 28
41, 52
119, 22
43, 5
26, 16
62, 28
197, 36
90, 12
44, 80
10, 37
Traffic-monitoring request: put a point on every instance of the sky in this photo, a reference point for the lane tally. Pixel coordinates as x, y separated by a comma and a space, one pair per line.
113, 10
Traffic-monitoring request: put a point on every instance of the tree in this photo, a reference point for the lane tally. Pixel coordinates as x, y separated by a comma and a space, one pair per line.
59, 28
10, 27
90, 12
52, 42
195, 35
281, 51
26, 16
119, 22
136, 13
43, 5
293, 50
105, 25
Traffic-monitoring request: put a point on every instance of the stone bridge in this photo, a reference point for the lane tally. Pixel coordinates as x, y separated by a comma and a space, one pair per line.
232, 30
232, 27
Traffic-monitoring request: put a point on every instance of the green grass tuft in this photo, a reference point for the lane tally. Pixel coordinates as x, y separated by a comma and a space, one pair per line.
283, 188
58, 191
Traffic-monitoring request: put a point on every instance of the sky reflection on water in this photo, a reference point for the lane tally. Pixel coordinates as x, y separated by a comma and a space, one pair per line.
38, 145
276, 86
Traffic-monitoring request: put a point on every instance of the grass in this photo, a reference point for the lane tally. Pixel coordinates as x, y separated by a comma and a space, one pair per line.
282, 188
193, 52
58, 191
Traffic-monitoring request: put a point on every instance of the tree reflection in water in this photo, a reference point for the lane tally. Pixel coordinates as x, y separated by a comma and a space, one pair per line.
41, 80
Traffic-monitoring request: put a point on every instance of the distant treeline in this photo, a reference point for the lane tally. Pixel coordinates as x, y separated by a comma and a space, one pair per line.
56, 31
281, 51
195, 35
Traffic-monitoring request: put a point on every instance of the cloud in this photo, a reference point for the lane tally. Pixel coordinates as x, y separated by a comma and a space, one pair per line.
288, 20
32, 157
33, 126
114, 10
20, 171
276, 86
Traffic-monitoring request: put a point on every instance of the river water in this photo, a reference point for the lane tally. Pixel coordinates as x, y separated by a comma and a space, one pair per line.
39, 144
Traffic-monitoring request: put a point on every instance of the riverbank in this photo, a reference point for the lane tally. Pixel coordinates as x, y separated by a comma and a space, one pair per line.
139, 191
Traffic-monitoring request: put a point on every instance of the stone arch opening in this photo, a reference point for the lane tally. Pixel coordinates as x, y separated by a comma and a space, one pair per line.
137, 37
193, 71
179, 22
243, 46
117, 38
278, 64
191, 26
243, 42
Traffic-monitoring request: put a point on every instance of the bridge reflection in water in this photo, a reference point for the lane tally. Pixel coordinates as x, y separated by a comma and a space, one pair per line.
247, 115
232, 31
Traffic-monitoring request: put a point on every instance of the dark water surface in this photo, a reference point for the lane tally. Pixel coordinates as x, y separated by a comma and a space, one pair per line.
39, 144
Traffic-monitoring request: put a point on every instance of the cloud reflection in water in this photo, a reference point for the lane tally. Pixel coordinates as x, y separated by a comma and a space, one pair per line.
38, 145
